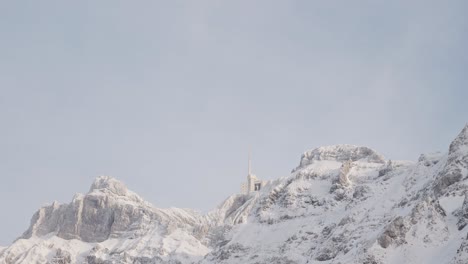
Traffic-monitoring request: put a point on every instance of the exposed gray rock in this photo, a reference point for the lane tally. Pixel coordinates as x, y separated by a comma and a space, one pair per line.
326, 231
371, 259
430, 159
361, 192
96, 260
461, 256
346, 220
386, 168
463, 216
457, 162
394, 233
326, 253
228, 251
61, 257
277, 260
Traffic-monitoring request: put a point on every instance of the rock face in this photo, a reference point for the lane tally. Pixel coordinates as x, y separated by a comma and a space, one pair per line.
108, 210
340, 153
463, 215
394, 233
456, 166
342, 204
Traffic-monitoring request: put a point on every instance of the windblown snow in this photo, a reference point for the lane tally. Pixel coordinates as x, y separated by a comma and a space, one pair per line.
342, 204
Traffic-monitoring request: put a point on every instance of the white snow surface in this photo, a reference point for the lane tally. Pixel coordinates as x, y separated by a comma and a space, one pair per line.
384, 212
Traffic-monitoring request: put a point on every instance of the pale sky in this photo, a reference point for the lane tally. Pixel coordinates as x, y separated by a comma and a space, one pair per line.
168, 96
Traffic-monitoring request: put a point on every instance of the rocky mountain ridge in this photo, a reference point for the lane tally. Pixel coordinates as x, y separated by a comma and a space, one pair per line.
341, 204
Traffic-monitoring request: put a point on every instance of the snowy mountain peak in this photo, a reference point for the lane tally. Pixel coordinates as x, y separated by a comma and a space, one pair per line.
460, 143
343, 204
455, 171
110, 184
341, 153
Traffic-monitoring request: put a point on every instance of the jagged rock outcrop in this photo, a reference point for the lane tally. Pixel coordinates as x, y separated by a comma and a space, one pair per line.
340, 153
463, 214
394, 233
343, 204
108, 210
455, 168
61, 257
343, 178
387, 168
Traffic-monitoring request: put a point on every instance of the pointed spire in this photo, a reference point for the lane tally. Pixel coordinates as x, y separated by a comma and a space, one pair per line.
249, 163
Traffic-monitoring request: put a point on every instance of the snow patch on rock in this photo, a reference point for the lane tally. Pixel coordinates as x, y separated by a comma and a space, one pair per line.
340, 153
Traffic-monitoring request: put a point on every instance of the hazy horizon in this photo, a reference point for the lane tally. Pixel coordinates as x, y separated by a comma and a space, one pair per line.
169, 97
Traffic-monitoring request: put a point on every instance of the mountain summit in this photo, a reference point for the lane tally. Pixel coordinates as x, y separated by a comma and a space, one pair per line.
109, 184
342, 204
341, 153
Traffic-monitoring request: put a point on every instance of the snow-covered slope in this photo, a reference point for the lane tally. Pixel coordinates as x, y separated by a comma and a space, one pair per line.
342, 204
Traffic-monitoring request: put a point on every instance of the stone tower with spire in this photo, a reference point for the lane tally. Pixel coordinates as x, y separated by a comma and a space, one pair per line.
253, 184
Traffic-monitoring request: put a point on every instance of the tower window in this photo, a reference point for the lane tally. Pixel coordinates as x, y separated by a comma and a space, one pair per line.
257, 186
